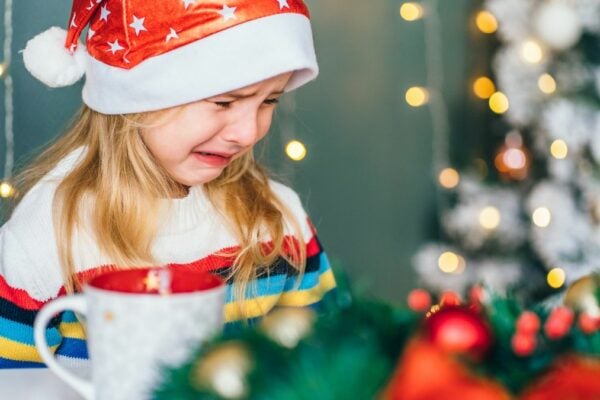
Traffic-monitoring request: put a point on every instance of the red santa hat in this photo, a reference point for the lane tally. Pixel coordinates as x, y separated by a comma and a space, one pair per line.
144, 55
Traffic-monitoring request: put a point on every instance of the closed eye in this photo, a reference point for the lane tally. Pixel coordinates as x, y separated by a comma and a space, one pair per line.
271, 101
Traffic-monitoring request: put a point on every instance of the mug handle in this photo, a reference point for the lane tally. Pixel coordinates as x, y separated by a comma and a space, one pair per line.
76, 303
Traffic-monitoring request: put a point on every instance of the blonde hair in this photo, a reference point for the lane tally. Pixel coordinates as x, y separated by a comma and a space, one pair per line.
126, 184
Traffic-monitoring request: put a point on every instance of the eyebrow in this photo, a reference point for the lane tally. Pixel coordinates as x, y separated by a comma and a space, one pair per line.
244, 96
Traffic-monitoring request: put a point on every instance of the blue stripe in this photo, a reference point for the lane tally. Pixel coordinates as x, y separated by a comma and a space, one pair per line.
24, 333
75, 348
264, 287
6, 364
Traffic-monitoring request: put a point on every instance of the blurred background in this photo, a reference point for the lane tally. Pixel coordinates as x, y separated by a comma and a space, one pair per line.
426, 124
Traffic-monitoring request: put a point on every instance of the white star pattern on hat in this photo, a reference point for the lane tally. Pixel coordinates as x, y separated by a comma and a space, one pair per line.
90, 6
172, 35
228, 12
104, 13
73, 24
283, 4
187, 3
138, 25
115, 46
91, 33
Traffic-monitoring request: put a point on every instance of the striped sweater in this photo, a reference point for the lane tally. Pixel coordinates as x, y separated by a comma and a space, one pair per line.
193, 236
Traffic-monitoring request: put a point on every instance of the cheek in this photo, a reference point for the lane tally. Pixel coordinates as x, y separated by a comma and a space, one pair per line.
264, 123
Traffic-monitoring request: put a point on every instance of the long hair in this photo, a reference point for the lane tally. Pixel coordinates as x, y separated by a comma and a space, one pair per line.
125, 182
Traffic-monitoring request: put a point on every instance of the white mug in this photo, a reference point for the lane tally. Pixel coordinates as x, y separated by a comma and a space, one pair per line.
137, 321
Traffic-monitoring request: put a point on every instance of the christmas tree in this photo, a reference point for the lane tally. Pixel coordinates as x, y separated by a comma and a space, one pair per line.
527, 219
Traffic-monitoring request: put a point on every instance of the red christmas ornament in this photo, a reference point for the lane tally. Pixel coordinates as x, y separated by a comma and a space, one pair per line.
449, 298
419, 300
523, 344
476, 295
588, 324
528, 323
458, 329
559, 323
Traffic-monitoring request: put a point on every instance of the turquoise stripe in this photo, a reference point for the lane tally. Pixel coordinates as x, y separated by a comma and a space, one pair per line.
69, 316
24, 333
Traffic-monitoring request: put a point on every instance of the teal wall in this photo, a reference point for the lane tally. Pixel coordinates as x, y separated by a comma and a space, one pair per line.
367, 179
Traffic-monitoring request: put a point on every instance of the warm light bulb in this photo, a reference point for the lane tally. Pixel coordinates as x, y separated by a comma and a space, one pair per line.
514, 158
483, 87
450, 263
499, 103
532, 52
547, 84
486, 22
295, 150
6, 190
489, 218
417, 96
541, 217
559, 149
556, 278
3, 70
411, 11
449, 178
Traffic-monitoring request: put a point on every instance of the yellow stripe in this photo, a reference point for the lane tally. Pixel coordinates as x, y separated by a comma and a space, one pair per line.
72, 330
252, 308
20, 352
306, 297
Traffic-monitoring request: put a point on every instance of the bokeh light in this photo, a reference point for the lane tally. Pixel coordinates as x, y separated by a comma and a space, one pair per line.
295, 150
486, 22
499, 103
532, 52
547, 84
541, 217
451, 263
6, 190
489, 218
556, 278
449, 178
559, 149
411, 11
417, 96
483, 87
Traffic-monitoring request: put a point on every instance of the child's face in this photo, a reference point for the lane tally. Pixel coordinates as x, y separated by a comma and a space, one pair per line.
202, 138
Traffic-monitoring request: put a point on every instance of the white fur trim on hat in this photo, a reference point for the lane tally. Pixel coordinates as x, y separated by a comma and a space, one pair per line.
228, 60
46, 58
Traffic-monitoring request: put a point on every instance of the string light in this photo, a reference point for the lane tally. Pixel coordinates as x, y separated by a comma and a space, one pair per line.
489, 218
559, 149
449, 178
451, 263
541, 217
483, 87
499, 103
6, 190
486, 22
411, 11
417, 96
3, 70
532, 52
547, 84
556, 278
295, 150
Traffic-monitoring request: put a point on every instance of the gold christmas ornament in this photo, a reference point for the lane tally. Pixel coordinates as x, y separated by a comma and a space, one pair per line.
581, 295
287, 326
224, 370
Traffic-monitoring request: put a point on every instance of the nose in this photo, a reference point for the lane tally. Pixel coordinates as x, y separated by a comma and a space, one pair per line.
243, 129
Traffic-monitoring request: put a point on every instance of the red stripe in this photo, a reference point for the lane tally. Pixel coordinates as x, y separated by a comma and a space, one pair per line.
221, 259
18, 297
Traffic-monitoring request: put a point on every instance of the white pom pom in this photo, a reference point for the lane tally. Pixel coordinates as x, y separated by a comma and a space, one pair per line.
47, 59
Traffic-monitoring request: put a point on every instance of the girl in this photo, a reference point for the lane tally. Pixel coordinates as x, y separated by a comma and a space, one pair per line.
157, 168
